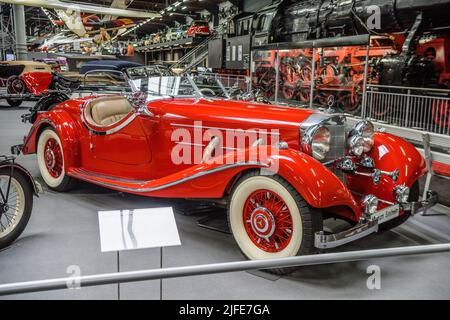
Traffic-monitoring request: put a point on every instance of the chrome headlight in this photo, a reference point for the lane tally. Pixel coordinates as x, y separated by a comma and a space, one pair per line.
356, 145
316, 142
365, 130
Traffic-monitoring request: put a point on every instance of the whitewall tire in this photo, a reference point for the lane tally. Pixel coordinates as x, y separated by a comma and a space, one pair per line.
50, 156
269, 219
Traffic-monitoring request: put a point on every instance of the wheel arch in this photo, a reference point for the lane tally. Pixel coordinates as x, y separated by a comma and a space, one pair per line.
66, 129
320, 188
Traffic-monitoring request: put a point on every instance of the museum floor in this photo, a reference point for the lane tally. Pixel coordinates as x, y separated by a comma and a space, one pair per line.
63, 231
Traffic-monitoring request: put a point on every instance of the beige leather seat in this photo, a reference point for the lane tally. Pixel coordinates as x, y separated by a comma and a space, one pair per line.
106, 111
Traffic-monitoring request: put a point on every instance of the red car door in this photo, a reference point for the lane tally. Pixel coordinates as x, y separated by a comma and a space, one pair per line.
116, 132
126, 146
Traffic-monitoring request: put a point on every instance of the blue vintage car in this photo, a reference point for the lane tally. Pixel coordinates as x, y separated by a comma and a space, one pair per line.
115, 65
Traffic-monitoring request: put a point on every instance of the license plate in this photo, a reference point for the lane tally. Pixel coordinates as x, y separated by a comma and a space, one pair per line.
387, 214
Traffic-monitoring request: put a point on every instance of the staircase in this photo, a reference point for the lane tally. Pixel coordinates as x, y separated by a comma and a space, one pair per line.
197, 55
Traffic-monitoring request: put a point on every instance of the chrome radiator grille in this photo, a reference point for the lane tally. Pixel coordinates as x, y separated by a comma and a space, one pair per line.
337, 147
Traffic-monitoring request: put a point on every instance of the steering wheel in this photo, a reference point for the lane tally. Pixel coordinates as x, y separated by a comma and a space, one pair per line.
208, 92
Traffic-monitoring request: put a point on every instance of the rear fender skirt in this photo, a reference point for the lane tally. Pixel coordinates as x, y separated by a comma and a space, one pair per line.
67, 131
390, 153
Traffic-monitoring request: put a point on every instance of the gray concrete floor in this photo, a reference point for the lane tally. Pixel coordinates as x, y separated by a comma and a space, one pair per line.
63, 231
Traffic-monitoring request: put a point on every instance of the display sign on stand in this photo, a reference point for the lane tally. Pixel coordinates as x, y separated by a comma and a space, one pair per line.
122, 230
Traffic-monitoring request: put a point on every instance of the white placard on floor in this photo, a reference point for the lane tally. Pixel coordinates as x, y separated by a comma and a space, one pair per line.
137, 229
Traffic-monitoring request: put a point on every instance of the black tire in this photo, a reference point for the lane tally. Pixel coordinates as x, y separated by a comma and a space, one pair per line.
311, 218
27, 189
14, 103
413, 197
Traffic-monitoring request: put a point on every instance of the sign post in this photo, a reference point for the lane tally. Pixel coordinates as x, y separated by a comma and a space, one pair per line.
123, 230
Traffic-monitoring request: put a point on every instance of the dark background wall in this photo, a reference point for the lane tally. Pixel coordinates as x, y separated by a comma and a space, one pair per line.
254, 5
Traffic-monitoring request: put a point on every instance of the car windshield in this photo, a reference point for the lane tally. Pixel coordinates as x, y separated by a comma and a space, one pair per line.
149, 71
178, 87
165, 86
210, 85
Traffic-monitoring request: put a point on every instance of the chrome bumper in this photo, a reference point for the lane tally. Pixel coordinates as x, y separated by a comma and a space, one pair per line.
327, 241
424, 205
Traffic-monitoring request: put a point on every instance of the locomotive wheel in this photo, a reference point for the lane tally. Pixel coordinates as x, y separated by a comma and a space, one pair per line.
288, 91
350, 102
354, 107
304, 94
305, 81
50, 158
268, 83
441, 114
328, 75
269, 219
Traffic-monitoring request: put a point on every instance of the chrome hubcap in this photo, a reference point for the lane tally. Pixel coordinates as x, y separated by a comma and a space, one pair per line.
262, 222
50, 158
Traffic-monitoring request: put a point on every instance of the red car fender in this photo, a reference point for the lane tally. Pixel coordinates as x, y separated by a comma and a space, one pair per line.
65, 127
390, 153
37, 82
318, 185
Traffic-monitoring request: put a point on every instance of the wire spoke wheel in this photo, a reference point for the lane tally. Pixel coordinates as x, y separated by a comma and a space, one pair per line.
16, 85
53, 158
268, 220
11, 211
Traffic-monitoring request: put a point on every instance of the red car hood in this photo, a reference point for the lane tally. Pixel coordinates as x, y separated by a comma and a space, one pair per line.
235, 113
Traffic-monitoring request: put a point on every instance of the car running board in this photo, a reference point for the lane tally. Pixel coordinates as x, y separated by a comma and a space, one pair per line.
150, 186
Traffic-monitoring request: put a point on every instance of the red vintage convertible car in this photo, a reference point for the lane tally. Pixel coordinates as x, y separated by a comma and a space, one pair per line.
280, 170
24, 79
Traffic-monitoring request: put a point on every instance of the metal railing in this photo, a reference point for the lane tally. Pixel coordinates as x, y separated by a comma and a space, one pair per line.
166, 273
423, 109
197, 54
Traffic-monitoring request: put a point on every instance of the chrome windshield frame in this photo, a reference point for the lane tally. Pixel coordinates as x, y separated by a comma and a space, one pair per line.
220, 84
197, 91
